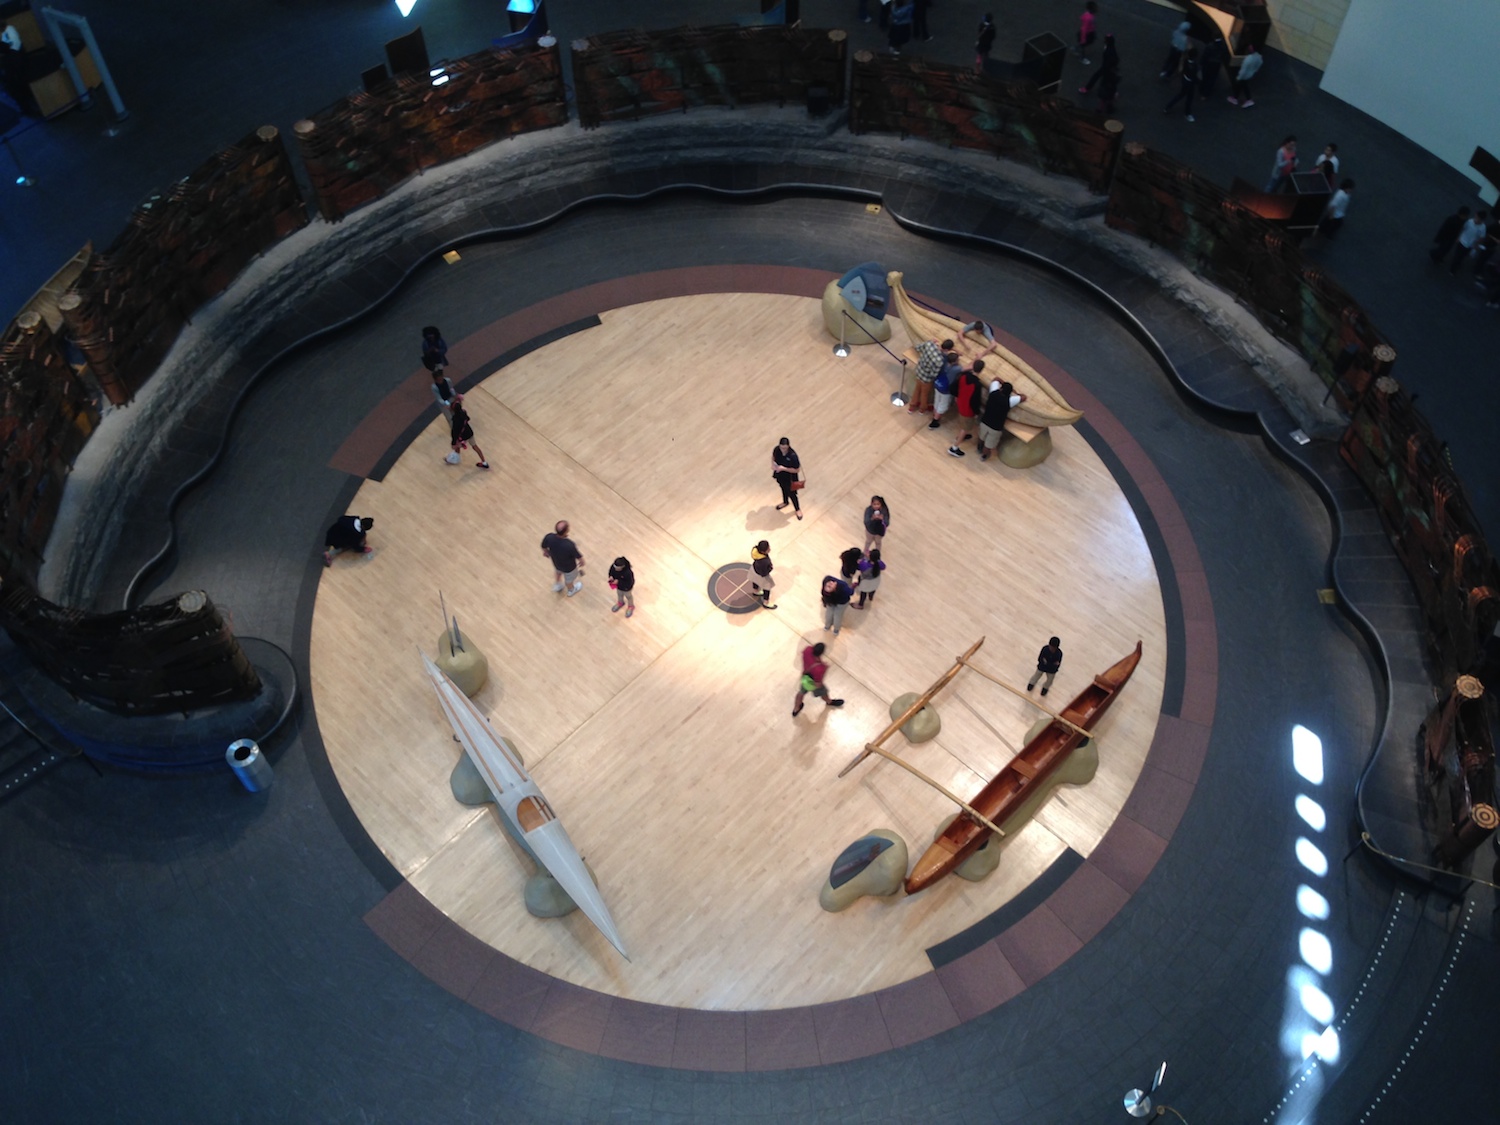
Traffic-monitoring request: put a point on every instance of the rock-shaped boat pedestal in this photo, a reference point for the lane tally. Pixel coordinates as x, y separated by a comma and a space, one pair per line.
835, 305
875, 864
466, 667
1020, 454
979, 865
921, 727
545, 897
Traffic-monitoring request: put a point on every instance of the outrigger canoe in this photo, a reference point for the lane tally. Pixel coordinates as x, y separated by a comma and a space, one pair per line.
522, 803
1044, 405
1024, 775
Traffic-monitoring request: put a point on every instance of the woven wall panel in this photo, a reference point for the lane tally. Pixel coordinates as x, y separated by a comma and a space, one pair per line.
1156, 198
46, 415
953, 106
626, 75
181, 248
177, 655
367, 144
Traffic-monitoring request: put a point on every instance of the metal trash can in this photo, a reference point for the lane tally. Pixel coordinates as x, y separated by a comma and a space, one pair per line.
249, 765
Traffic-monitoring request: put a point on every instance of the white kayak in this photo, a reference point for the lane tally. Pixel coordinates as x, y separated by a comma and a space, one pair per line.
522, 803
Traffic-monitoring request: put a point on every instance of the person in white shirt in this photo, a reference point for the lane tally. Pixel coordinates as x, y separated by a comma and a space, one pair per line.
1468, 238
1333, 214
1249, 68
1328, 163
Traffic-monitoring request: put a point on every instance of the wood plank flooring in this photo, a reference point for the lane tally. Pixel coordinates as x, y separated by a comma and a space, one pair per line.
665, 742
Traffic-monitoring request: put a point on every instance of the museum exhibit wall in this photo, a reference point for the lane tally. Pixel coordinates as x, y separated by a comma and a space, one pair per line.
1426, 70
1149, 196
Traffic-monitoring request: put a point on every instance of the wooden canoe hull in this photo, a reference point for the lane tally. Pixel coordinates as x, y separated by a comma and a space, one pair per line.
1022, 776
1043, 407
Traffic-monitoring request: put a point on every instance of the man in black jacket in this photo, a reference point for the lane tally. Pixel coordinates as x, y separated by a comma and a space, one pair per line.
1048, 661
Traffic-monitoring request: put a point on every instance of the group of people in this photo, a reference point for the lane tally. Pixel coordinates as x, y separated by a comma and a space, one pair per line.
460, 425
567, 569
943, 383
1197, 70
1284, 165
1471, 237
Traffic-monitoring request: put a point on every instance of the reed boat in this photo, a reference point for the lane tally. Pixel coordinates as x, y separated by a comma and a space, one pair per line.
1024, 775
1043, 407
522, 803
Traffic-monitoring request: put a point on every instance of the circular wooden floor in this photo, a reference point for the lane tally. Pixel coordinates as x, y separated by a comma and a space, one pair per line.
665, 742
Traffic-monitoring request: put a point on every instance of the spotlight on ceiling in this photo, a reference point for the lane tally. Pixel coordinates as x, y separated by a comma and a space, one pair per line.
405, 6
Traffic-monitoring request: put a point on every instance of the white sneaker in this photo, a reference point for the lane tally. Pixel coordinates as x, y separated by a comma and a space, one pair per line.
557, 587
573, 589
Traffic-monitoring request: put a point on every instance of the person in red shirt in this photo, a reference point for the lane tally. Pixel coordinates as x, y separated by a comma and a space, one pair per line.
970, 402
813, 671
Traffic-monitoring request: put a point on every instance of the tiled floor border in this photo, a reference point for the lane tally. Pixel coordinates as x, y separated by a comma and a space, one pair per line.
865, 1025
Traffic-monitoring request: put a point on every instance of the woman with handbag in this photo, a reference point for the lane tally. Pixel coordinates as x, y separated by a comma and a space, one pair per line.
786, 468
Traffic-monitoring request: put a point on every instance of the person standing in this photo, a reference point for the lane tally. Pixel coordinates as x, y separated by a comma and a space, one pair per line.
813, 671
1048, 661
919, 20
1239, 93
943, 387
1109, 66
870, 569
760, 566
442, 390
1086, 32
992, 422
929, 362
347, 534
970, 401
877, 519
786, 470
1109, 90
1214, 56
1333, 214
1447, 234
835, 594
622, 582
984, 43
1328, 163
1189, 84
1285, 165
461, 433
1468, 239
903, 12
567, 559
1170, 64
434, 349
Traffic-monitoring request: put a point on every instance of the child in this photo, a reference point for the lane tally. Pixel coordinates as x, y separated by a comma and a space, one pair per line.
1086, 30
869, 577
442, 389
836, 594
1048, 661
622, 582
462, 434
849, 565
813, 671
347, 534
760, 563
